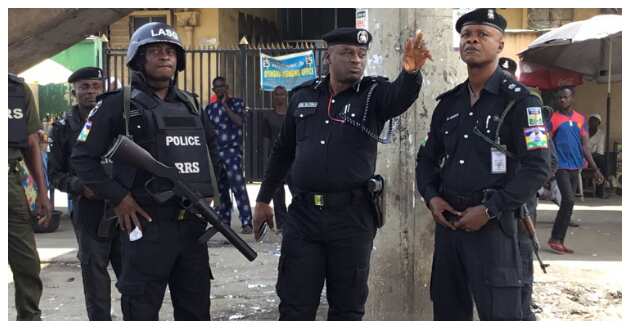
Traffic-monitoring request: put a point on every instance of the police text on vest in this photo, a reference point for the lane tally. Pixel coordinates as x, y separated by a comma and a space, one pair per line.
183, 141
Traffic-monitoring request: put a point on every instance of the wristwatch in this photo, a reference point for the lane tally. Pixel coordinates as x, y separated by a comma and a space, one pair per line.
491, 215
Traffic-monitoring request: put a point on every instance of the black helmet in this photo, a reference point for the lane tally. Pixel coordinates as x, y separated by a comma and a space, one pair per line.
154, 32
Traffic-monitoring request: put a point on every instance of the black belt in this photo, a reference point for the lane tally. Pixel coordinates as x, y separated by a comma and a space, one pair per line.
330, 199
464, 200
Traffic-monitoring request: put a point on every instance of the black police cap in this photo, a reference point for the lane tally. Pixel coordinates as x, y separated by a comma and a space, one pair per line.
86, 73
348, 36
507, 64
482, 16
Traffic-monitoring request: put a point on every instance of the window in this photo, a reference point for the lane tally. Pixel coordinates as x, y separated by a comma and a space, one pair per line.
140, 18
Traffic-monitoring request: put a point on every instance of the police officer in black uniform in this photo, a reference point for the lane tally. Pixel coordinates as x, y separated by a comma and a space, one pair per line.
329, 137
95, 252
485, 155
167, 122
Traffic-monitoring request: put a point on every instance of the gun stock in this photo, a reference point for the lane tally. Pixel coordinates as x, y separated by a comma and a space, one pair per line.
124, 150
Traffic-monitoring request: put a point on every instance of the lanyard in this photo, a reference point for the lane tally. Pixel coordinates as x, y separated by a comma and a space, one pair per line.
330, 114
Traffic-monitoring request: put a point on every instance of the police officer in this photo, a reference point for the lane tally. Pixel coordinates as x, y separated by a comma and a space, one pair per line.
24, 145
485, 155
95, 252
329, 138
159, 241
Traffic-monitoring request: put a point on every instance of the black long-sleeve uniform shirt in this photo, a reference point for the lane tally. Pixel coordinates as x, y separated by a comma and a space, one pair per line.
456, 160
62, 137
107, 124
327, 155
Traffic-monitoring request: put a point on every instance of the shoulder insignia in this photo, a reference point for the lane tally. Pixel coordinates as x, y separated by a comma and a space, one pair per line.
377, 78
109, 93
513, 88
310, 83
449, 92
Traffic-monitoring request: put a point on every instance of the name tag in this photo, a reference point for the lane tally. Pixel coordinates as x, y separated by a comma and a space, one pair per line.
307, 105
499, 161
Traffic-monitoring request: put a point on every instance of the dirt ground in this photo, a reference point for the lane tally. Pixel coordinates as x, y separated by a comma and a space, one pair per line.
584, 286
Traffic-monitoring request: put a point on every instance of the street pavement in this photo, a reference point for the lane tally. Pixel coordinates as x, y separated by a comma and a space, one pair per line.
246, 291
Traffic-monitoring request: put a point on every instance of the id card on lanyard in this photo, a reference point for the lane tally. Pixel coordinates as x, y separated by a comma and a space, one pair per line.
498, 161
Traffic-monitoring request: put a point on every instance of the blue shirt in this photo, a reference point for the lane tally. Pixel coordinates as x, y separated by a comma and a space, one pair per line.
567, 131
229, 135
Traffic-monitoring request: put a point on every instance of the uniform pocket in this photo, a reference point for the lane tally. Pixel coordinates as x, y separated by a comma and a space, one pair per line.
503, 277
301, 116
505, 292
448, 132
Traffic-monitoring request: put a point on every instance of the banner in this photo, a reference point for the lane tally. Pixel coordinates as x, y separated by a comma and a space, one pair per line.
288, 70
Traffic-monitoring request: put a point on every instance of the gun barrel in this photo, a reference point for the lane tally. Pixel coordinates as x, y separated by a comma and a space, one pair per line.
531, 232
212, 217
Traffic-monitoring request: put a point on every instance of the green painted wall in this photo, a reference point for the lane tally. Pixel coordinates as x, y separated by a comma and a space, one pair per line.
84, 53
55, 97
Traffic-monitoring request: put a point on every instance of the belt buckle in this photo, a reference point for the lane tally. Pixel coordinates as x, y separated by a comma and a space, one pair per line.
181, 214
318, 200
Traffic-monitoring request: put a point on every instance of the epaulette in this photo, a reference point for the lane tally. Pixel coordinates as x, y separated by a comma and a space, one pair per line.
376, 78
369, 80
455, 89
15, 78
109, 93
310, 83
513, 89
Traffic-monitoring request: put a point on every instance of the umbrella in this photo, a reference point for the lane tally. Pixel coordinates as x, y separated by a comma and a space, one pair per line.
547, 78
591, 47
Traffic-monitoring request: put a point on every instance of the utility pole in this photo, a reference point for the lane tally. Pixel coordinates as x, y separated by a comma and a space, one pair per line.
402, 256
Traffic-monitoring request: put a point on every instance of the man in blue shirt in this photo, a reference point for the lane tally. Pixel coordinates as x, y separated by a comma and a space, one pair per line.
570, 137
226, 113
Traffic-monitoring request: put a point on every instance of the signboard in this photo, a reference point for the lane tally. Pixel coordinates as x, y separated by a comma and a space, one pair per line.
361, 18
288, 70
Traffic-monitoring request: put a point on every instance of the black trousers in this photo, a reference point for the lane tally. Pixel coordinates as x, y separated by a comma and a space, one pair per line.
567, 183
331, 245
483, 267
167, 254
95, 254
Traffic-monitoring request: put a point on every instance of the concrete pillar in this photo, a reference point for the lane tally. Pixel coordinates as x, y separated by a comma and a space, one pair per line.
403, 249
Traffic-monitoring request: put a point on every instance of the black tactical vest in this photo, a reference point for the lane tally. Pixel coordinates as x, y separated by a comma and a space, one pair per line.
175, 136
18, 135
